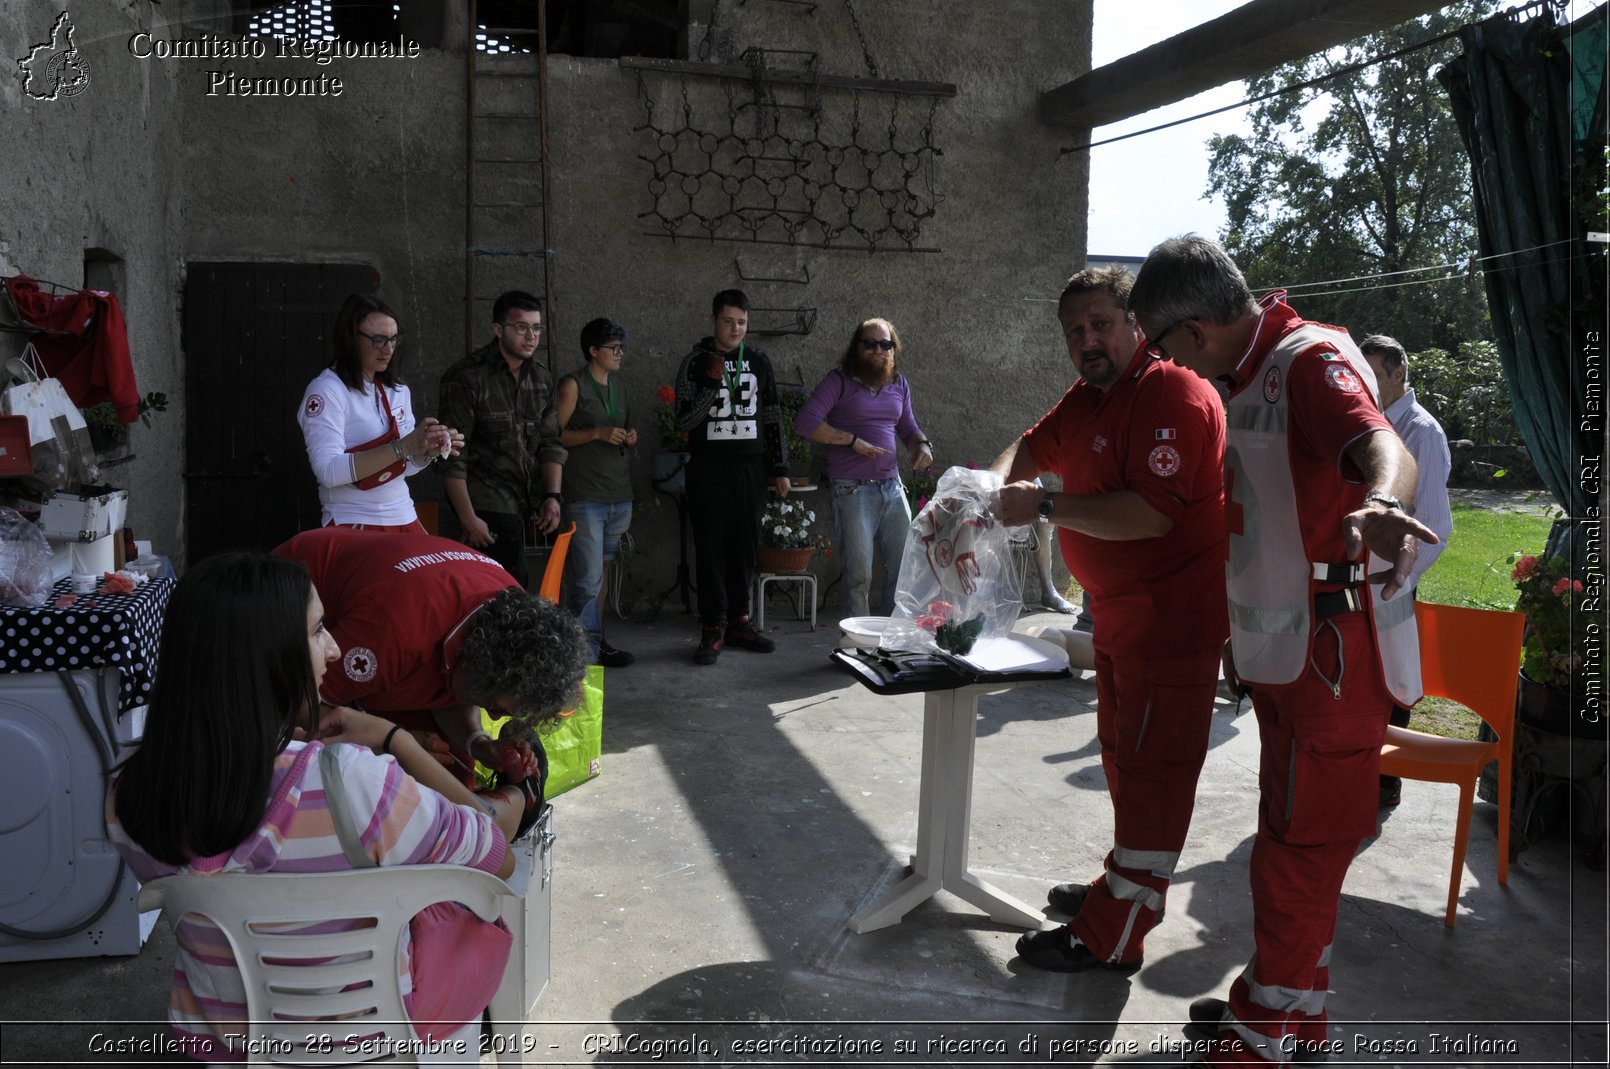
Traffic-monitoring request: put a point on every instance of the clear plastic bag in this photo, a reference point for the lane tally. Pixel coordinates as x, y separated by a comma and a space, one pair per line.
957, 582
24, 561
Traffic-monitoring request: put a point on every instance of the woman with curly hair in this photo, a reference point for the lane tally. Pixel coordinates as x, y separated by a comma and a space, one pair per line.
433, 632
232, 776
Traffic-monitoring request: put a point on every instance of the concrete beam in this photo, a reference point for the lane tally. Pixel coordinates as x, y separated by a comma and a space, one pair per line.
1247, 41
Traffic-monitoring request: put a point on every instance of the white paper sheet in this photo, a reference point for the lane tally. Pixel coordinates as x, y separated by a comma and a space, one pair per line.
1015, 653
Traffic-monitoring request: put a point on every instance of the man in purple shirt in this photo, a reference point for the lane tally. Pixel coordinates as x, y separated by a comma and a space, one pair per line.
862, 412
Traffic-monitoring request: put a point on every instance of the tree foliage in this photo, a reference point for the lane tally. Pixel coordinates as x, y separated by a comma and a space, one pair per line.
1465, 390
1364, 175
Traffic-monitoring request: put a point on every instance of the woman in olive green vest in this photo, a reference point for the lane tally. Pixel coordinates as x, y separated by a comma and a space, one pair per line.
596, 418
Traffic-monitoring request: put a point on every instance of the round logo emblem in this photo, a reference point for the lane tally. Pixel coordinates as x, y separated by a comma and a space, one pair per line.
359, 664
315, 405
1164, 460
385, 475
1341, 377
1271, 385
944, 553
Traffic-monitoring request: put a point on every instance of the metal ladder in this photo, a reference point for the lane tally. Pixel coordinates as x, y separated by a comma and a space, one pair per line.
507, 217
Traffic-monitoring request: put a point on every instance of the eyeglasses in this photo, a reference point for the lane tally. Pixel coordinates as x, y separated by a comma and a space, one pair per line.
877, 343
525, 330
616, 348
1154, 347
381, 341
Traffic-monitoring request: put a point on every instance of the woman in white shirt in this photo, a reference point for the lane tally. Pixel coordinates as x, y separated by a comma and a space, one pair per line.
358, 422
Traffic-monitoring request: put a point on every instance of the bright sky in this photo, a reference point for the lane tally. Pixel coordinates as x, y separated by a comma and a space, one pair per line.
1150, 187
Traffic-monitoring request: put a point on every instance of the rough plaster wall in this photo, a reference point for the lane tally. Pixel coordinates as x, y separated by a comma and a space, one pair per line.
984, 362
374, 176
100, 169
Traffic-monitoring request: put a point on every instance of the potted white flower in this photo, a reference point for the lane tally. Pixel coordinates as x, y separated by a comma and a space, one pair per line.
787, 538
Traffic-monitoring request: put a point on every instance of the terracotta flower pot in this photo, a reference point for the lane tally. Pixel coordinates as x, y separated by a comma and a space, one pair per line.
772, 559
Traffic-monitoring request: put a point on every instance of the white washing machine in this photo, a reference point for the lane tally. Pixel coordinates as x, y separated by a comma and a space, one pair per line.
64, 890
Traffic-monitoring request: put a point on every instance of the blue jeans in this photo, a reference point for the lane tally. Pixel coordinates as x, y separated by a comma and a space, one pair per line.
868, 513
599, 527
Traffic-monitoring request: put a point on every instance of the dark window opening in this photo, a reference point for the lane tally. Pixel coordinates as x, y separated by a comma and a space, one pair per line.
604, 29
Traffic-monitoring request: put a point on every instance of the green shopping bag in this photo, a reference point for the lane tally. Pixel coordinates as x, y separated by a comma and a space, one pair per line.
574, 743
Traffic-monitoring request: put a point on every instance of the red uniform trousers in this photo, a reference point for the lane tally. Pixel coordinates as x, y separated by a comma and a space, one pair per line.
1318, 780
1152, 719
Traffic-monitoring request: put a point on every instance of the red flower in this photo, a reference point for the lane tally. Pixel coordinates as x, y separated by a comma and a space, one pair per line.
1525, 568
1566, 585
665, 395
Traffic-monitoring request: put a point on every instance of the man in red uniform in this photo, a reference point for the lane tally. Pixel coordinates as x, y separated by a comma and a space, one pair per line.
1139, 446
1314, 474
432, 631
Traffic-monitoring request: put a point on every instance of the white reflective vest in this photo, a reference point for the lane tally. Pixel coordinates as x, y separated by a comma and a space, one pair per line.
1271, 571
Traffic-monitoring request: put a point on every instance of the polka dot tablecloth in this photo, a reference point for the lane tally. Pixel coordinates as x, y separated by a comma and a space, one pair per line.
99, 630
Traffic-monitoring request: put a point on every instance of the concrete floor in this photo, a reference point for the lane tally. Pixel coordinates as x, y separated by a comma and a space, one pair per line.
746, 810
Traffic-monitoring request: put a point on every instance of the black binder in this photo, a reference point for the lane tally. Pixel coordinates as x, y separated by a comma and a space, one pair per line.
912, 671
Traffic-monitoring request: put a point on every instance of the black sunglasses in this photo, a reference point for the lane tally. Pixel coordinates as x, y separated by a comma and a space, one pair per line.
877, 343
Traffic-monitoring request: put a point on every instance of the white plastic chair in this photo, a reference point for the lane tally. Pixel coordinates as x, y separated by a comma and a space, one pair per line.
279, 991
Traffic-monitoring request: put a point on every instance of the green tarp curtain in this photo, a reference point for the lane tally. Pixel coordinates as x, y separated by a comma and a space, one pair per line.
1529, 100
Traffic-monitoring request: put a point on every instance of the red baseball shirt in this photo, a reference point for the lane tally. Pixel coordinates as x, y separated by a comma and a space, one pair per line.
1158, 431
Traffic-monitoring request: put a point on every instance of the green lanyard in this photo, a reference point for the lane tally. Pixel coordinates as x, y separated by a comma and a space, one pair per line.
733, 379
607, 400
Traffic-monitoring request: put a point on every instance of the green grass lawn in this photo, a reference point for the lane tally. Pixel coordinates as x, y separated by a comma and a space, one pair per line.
1474, 570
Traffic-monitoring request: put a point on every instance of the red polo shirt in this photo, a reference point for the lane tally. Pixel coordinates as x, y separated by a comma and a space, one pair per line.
394, 603
1158, 431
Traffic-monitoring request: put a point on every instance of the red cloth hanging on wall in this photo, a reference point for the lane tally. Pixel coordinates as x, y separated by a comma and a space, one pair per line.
92, 359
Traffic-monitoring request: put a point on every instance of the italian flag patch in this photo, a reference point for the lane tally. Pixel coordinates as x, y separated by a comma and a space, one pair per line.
1163, 434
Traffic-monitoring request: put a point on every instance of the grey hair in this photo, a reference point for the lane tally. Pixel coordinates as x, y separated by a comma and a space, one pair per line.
1189, 277
1389, 349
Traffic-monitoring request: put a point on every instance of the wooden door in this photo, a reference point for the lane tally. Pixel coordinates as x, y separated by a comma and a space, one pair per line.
255, 334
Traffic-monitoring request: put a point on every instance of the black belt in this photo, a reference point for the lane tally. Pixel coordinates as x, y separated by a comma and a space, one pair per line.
1338, 602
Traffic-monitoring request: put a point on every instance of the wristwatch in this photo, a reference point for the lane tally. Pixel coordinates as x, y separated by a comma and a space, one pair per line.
1047, 505
1385, 499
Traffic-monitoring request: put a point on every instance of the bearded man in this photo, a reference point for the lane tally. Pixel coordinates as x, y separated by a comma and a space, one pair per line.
1139, 446
862, 412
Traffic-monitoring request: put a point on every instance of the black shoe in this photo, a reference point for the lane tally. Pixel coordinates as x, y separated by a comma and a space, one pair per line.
532, 786
1391, 792
1067, 898
745, 637
1207, 1020
610, 657
1055, 950
709, 646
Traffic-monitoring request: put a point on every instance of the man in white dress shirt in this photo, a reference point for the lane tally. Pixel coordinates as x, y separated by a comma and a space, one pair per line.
1423, 436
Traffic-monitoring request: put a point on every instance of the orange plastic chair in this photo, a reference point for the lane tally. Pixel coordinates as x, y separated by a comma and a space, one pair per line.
554, 573
1473, 657
426, 510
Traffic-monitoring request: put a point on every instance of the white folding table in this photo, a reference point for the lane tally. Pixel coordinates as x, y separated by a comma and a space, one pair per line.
944, 817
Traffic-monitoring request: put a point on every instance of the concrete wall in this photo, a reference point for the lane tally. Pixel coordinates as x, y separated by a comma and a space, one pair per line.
376, 176
101, 169
983, 360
